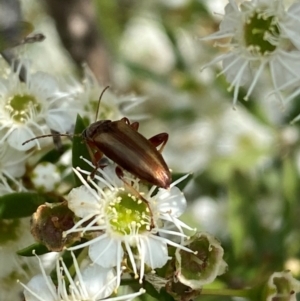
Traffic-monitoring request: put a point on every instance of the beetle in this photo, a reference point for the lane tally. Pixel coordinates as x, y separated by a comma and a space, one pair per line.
121, 142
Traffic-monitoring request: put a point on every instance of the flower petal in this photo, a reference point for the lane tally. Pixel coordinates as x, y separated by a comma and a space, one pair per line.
292, 24
106, 252
44, 83
232, 65
82, 202
40, 286
20, 135
59, 121
96, 279
155, 252
171, 201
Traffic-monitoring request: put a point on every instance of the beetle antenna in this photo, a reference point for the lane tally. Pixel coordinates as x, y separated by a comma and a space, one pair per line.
100, 102
49, 135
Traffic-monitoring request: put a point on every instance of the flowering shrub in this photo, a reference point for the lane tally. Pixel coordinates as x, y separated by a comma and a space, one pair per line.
80, 218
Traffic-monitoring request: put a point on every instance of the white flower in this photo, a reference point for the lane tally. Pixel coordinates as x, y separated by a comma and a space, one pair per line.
112, 107
45, 176
91, 283
33, 107
128, 219
262, 35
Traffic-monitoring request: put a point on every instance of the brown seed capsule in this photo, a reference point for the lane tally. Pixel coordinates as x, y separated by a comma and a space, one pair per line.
48, 224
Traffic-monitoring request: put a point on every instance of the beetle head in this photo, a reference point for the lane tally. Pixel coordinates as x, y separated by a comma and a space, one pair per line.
94, 129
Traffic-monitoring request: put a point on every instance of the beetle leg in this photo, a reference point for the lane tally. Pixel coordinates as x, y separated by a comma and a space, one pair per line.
90, 148
119, 173
159, 139
134, 125
126, 120
95, 157
97, 166
57, 141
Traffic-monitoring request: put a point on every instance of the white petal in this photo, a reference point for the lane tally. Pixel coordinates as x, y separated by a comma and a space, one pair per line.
20, 135
231, 22
59, 121
232, 18
266, 3
16, 170
110, 173
105, 252
233, 70
155, 252
171, 201
285, 69
82, 202
291, 26
13, 161
96, 278
44, 83
40, 287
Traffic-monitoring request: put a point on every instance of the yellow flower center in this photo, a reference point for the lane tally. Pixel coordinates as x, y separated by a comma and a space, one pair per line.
261, 33
21, 107
129, 214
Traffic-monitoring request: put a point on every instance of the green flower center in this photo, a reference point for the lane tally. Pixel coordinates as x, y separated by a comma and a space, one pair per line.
261, 33
22, 106
128, 214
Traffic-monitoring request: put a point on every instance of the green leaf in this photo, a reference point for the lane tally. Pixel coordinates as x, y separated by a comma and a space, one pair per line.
290, 180
22, 204
39, 249
150, 290
165, 296
79, 149
54, 155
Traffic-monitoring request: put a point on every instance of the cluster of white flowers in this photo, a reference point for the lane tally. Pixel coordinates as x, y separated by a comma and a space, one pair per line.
91, 283
127, 228
31, 104
129, 216
36, 103
262, 35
